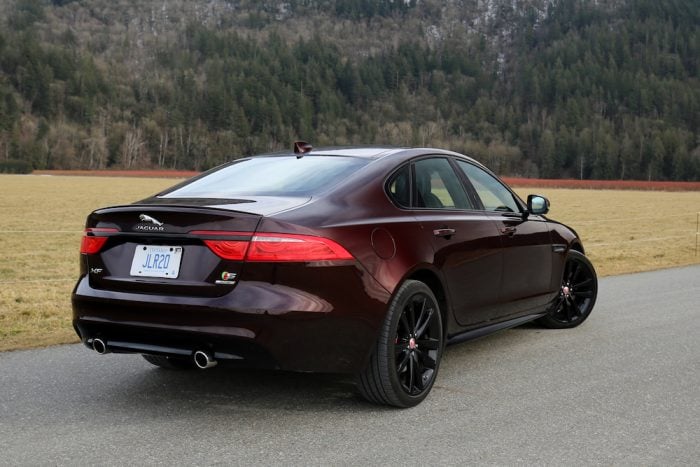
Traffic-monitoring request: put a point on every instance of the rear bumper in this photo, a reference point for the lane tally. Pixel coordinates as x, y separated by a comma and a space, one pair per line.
257, 324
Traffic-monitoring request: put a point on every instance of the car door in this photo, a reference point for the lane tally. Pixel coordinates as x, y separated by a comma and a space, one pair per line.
466, 242
527, 247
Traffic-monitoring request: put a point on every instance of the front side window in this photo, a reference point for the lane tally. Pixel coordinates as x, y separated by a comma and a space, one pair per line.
494, 196
437, 186
271, 176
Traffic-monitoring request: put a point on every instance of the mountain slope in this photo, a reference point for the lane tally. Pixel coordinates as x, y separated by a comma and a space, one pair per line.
568, 88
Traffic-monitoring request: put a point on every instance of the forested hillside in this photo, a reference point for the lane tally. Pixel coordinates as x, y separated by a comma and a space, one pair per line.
559, 88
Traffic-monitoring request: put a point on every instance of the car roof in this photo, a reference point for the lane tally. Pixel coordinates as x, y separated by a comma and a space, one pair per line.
355, 151
366, 152
381, 152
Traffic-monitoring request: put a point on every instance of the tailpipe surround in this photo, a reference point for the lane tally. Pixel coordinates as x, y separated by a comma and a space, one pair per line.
99, 346
204, 359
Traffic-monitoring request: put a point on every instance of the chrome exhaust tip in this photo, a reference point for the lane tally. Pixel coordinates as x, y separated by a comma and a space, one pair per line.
99, 346
204, 359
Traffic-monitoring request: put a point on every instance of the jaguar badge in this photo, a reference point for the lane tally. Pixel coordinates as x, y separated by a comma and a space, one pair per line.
147, 218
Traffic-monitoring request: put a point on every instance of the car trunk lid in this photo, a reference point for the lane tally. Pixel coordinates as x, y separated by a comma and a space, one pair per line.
154, 248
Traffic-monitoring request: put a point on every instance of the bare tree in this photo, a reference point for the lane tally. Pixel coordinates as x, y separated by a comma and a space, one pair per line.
132, 147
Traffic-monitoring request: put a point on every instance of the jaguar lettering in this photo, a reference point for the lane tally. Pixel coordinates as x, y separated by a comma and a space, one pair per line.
149, 228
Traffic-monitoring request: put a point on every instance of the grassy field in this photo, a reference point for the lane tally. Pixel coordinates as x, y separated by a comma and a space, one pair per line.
42, 217
629, 231
41, 223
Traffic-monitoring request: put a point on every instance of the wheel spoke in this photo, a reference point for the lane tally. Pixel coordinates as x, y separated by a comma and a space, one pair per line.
568, 272
404, 322
399, 348
411, 317
569, 314
418, 371
576, 272
426, 360
420, 367
428, 343
422, 325
401, 367
585, 294
411, 372
561, 302
421, 314
583, 284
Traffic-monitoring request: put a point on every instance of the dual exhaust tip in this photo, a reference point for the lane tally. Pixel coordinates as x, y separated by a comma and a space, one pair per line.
202, 358
99, 346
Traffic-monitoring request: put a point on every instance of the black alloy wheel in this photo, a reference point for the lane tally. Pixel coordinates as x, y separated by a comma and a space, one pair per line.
577, 294
405, 361
417, 342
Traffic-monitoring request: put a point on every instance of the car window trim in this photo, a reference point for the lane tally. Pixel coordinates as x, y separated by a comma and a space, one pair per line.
467, 184
388, 180
478, 206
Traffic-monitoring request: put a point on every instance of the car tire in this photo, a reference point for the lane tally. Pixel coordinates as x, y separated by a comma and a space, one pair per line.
405, 360
169, 363
577, 294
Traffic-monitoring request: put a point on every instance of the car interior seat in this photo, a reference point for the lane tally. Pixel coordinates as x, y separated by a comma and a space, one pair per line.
425, 197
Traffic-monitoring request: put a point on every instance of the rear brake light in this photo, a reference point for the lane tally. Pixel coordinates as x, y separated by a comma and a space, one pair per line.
91, 243
287, 247
228, 249
273, 247
233, 250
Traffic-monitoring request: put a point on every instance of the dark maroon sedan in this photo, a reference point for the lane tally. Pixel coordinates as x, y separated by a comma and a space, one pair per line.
356, 260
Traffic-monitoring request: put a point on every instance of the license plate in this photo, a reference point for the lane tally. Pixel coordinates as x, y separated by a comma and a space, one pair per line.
156, 261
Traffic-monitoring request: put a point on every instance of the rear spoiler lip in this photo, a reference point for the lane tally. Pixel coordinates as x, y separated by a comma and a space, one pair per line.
258, 205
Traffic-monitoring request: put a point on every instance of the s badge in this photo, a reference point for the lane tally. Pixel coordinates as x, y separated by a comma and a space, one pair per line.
227, 278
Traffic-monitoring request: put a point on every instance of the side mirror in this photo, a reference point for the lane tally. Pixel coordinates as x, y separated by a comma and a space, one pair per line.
537, 204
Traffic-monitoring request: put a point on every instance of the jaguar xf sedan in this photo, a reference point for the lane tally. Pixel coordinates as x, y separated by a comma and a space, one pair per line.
365, 261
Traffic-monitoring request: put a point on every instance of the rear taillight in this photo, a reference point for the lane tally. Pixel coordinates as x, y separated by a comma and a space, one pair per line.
93, 240
228, 249
288, 247
273, 247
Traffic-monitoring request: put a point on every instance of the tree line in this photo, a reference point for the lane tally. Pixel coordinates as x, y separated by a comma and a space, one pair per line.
584, 91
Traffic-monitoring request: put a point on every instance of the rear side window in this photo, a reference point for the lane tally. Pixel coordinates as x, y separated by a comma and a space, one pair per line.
271, 176
399, 187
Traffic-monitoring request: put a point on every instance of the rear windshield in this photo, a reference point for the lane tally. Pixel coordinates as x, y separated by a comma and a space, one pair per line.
271, 176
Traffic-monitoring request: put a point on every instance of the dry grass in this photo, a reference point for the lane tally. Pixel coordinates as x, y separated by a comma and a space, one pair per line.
41, 219
629, 231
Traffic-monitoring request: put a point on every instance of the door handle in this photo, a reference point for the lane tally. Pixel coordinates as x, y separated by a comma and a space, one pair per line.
444, 232
510, 231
